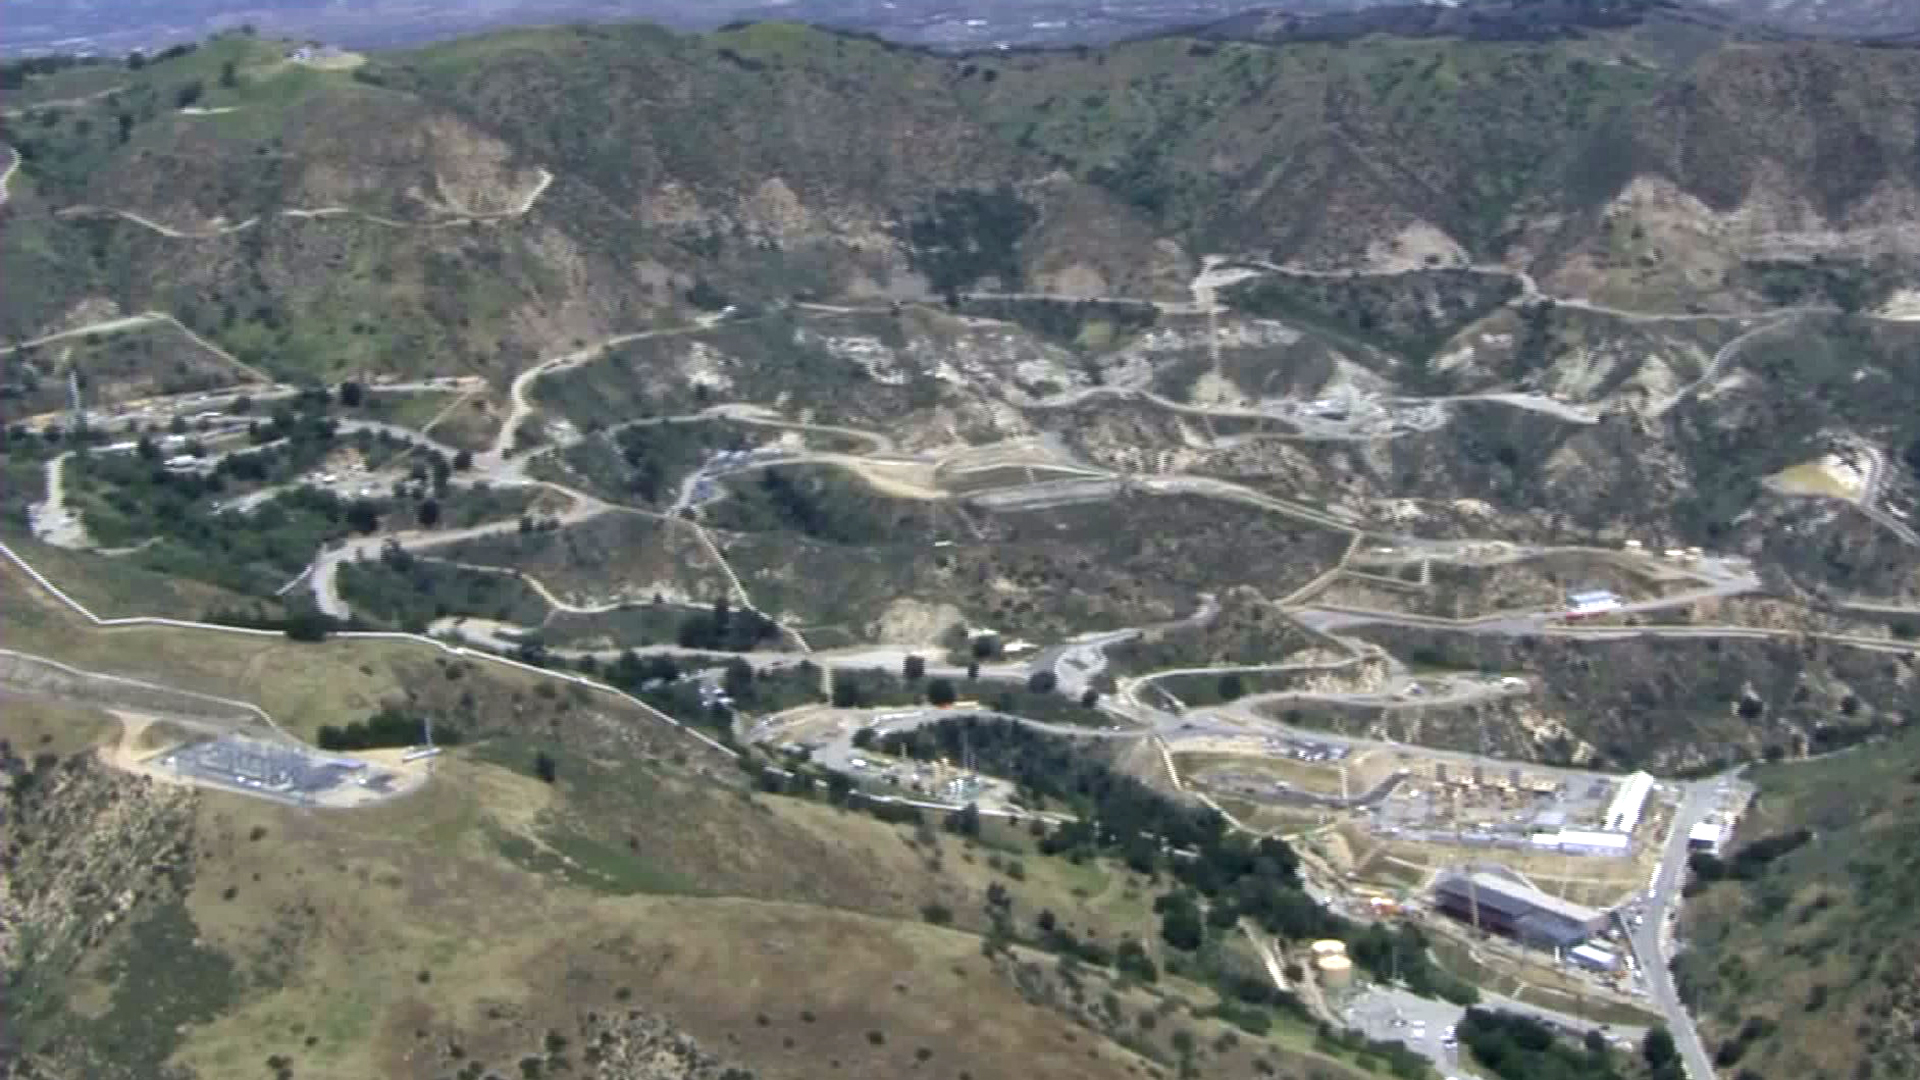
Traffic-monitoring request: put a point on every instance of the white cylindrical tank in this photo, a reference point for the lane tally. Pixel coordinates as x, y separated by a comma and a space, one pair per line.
1328, 947
1335, 970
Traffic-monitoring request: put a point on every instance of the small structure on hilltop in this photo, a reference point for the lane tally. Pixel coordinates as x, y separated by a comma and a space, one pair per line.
1591, 602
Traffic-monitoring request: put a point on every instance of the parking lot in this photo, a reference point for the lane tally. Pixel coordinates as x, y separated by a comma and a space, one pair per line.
1425, 1026
1428, 1027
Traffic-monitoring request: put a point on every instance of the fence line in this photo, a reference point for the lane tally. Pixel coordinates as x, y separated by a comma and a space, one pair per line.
452, 650
361, 635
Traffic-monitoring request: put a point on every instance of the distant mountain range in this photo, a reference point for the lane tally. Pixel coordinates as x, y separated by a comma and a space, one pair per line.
120, 26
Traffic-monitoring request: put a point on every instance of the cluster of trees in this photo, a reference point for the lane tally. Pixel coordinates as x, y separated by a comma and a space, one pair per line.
824, 508
130, 498
723, 629
409, 592
657, 681
1220, 875
15, 73
1400, 952
1515, 1047
1748, 863
655, 453
387, 728
1848, 286
862, 689
967, 235
633, 672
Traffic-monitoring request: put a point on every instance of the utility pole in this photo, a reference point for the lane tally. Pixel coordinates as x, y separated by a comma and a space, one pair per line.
1473, 899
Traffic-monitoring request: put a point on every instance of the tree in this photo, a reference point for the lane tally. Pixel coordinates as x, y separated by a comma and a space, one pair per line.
913, 668
1089, 698
739, 679
125, 120
973, 671
463, 460
352, 394
363, 515
965, 822
1180, 923
308, 624
1131, 959
136, 60
147, 449
1042, 681
229, 75
429, 513
545, 767
1232, 686
189, 94
1658, 1047
941, 692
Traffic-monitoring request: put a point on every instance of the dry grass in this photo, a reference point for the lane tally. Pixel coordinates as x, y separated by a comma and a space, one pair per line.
489, 908
304, 686
1363, 771
471, 422
1815, 477
334, 918
34, 726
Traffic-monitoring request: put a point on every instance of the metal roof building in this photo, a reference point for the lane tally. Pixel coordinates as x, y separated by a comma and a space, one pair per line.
1508, 907
1584, 841
1705, 836
1594, 958
1623, 813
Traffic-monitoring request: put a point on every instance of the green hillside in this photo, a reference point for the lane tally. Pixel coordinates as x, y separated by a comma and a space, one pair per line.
1803, 943
774, 160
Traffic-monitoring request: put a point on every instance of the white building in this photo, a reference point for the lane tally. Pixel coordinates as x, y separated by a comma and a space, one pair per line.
1623, 813
1593, 957
1706, 836
1592, 602
1584, 842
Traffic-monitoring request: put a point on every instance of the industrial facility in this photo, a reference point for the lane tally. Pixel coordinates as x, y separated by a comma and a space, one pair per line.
1505, 906
1331, 964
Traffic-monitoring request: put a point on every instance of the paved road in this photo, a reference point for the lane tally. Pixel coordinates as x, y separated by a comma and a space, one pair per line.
837, 751
51, 521
324, 579
218, 228
1725, 354
1394, 1015
1652, 940
105, 326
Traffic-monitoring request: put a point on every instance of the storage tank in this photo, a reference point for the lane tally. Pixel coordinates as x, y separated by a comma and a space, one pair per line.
1335, 970
1329, 947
